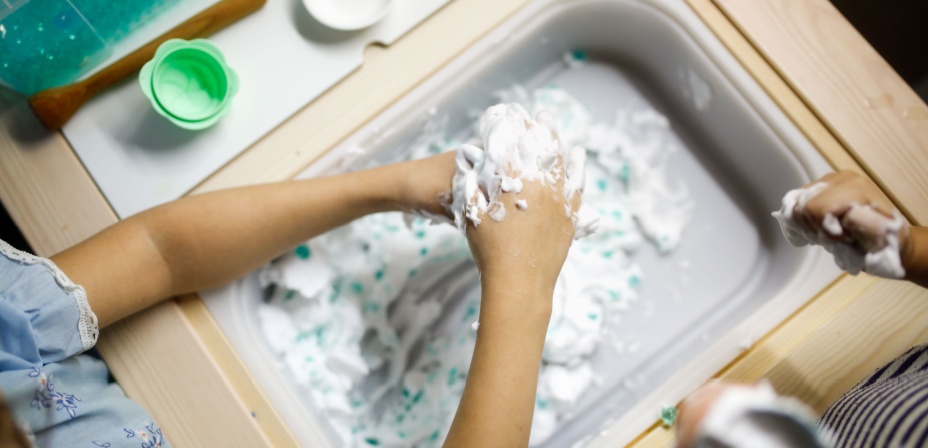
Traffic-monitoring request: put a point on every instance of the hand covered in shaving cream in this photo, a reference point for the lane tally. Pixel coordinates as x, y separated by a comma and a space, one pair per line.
694, 408
529, 246
738, 415
849, 208
860, 226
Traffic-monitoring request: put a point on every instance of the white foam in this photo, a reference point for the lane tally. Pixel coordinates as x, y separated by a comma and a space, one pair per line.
698, 89
382, 289
516, 148
633, 148
849, 256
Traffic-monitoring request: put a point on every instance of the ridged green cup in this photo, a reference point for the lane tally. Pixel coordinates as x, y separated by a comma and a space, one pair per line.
189, 83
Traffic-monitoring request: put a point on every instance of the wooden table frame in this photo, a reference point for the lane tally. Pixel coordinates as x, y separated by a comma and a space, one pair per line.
853, 107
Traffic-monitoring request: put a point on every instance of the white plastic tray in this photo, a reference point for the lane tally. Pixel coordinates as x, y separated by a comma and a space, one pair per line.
284, 59
732, 279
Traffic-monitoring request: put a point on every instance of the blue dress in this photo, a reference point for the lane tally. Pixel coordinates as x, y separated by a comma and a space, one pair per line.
59, 396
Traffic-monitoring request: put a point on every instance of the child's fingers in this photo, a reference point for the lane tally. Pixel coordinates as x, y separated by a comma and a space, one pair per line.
866, 227
833, 201
844, 190
874, 196
694, 409
851, 209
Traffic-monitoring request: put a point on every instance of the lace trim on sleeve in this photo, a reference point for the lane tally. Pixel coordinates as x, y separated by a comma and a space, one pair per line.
87, 325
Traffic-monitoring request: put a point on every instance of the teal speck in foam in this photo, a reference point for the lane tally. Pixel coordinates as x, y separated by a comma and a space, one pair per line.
434, 436
624, 173
413, 272
372, 441
424, 251
289, 295
470, 313
378, 275
302, 251
664, 242
634, 281
593, 316
668, 415
579, 55
602, 184
608, 254
357, 287
372, 307
420, 233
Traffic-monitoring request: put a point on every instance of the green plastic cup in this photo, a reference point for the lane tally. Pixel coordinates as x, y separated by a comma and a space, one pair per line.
189, 83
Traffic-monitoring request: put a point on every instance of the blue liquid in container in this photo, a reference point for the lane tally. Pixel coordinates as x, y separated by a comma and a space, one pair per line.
47, 43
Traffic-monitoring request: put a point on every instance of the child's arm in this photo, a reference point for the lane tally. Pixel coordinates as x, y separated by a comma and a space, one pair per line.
915, 256
519, 260
842, 190
206, 240
846, 188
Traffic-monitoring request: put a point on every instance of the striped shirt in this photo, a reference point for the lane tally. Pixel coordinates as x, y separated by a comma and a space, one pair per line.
887, 409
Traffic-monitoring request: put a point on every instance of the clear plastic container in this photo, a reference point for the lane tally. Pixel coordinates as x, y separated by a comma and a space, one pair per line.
47, 43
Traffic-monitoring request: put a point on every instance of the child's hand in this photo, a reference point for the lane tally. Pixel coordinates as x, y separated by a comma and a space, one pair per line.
528, 247
723, 413
862, 226
519, 259
425, 185
694, 409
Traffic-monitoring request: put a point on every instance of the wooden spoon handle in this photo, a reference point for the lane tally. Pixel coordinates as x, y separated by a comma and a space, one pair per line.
54, 107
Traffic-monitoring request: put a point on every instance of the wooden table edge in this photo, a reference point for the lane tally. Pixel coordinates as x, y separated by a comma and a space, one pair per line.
203, 331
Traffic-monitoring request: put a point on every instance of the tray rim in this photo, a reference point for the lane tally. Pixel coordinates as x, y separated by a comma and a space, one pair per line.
726, 349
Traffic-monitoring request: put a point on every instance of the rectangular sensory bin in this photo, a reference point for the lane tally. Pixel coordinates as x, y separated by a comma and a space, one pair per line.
651, 69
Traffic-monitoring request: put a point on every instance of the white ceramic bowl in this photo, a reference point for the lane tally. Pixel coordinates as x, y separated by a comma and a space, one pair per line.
348, 15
